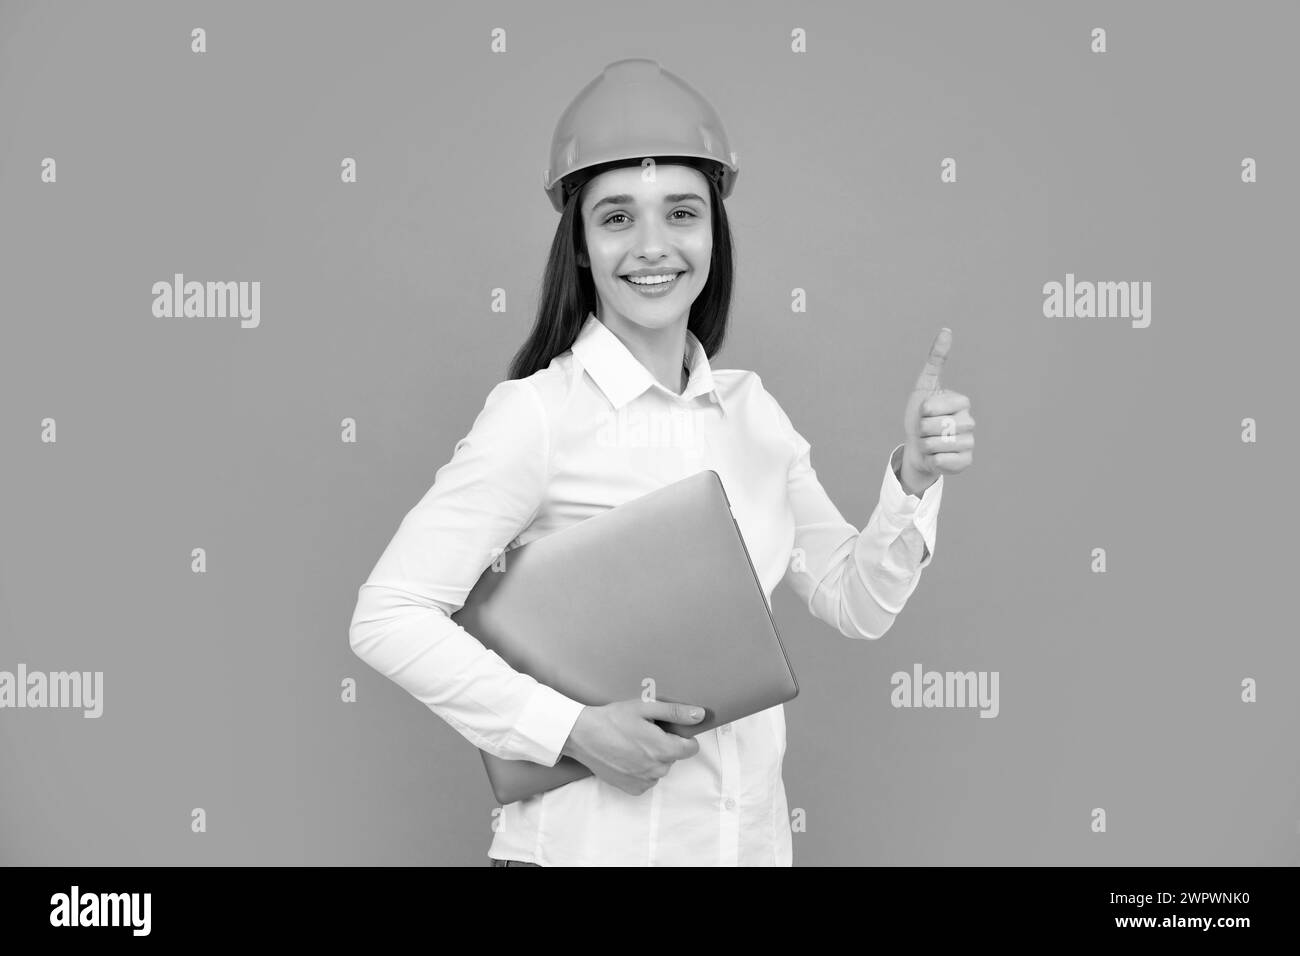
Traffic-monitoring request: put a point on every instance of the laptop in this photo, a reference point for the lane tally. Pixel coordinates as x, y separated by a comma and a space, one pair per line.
656, 599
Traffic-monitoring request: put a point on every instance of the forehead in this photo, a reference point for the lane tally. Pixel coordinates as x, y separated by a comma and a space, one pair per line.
669, 178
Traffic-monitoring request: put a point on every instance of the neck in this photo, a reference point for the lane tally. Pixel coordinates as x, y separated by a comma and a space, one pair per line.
661, 351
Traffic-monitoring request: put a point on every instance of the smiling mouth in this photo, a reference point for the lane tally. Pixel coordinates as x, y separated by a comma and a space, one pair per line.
651, 282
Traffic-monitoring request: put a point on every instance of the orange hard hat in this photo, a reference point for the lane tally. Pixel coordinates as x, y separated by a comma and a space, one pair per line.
633, 110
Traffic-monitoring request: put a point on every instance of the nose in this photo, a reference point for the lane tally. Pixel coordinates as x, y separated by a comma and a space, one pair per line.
651, 244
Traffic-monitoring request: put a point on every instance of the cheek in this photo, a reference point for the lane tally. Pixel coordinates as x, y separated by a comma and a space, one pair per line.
700, 252
605, 256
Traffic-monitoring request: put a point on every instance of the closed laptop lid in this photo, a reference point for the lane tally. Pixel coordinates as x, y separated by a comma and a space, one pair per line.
654, 599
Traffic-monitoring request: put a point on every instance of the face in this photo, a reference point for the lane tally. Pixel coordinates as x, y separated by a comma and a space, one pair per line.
647, 230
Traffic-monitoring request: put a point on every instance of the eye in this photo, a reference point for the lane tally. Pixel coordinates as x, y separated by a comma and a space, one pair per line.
609, 219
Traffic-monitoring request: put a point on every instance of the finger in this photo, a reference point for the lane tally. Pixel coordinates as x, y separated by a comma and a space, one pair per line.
958, 424
943, 444
948, 463
943, 402
674, 713
928, 380
688, 747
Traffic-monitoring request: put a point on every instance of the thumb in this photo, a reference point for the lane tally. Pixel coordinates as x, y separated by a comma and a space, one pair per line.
928, 380
673, 713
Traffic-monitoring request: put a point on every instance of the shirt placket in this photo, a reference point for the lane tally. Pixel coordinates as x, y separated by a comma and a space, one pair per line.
729, 798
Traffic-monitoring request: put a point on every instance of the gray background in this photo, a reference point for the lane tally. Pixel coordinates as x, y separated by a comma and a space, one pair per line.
1118, 690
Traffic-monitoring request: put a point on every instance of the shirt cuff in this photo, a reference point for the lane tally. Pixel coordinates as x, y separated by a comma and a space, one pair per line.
545, 725
899, 509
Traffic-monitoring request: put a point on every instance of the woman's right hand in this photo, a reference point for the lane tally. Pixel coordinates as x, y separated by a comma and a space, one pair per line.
621, 743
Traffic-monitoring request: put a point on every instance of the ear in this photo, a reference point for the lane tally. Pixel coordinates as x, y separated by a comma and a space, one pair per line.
583, 260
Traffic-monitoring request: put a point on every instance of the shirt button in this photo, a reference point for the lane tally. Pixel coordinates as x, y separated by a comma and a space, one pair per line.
729, 803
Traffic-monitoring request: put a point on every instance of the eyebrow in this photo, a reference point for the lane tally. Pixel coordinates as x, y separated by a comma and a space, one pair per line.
623, 199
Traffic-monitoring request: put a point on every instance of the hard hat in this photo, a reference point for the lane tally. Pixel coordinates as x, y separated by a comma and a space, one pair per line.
635, 109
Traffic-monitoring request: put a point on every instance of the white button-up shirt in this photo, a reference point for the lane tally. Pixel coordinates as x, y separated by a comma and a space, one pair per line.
589, 432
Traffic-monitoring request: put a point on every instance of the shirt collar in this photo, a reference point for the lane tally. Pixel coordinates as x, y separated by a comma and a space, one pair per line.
622, 377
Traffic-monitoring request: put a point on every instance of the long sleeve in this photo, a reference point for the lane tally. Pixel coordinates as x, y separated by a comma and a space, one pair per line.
480, 500
857, 582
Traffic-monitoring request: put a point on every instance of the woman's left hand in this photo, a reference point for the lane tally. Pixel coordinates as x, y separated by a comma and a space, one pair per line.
939, 429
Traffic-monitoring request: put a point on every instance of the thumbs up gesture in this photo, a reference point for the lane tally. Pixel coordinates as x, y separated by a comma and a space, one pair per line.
939, 429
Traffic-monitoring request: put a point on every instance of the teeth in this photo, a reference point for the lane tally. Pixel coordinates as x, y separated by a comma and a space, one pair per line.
651, 280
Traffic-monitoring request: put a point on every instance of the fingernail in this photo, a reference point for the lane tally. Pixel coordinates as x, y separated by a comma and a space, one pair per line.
697, 714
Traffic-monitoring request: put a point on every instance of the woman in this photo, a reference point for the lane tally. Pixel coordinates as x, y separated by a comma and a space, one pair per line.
635, 302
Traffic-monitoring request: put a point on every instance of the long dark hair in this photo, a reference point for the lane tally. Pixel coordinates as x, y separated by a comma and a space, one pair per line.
569, 294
